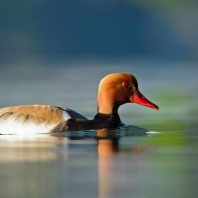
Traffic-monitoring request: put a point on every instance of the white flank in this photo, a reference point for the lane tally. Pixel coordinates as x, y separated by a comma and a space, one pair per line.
14, 125
66, 115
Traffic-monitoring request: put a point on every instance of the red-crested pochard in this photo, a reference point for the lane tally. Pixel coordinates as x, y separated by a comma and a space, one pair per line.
114, 90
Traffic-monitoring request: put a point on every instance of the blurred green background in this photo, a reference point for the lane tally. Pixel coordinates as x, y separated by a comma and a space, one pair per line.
100, 28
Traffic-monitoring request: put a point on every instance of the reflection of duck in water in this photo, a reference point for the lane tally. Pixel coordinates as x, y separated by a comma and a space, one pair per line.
114, 90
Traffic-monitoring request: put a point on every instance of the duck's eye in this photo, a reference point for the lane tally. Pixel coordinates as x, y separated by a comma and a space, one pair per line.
126, 84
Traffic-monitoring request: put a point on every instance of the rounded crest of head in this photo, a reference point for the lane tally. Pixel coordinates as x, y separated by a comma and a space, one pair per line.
117, 79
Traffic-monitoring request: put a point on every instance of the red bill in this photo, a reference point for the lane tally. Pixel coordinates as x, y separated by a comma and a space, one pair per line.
140, 99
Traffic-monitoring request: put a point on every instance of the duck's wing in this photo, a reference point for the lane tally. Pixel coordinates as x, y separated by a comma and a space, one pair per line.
73, 113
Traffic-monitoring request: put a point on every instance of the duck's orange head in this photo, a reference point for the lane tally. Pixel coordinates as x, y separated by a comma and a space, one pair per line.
117, 89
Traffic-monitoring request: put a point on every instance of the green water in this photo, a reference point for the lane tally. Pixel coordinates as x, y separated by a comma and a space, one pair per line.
124, 163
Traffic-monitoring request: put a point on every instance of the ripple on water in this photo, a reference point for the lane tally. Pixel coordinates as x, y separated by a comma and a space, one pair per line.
122, 131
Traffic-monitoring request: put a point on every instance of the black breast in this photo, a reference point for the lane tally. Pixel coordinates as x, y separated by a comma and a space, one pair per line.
100, 121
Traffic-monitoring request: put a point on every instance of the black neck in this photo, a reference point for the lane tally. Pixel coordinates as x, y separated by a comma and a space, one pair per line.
100, 121
112, 118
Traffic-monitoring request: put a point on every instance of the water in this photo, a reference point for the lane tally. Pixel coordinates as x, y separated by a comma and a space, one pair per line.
153, 165
160, 163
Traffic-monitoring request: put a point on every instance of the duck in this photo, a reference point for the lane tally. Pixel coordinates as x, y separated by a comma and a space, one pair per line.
114, 90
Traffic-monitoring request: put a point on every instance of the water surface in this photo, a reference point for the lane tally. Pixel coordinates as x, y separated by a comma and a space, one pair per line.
152, 165
160, 163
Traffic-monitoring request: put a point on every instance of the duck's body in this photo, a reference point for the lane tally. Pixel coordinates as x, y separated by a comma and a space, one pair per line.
114, 90
28, 119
